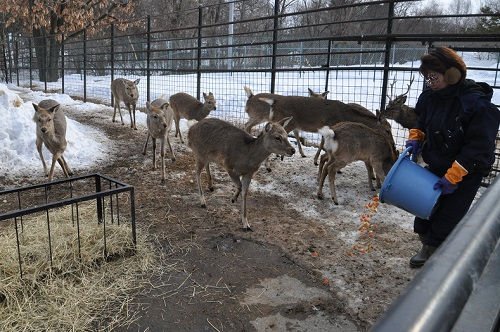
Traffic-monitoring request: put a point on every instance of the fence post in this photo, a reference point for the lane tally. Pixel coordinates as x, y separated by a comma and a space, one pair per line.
328, 64
16, 61
5, 68
275, 45
388, 43
31, 61
198, 55
148, 58
62, 63
85, 65
112, 58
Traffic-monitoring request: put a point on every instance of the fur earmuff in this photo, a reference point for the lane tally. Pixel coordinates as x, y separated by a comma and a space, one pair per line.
452, 76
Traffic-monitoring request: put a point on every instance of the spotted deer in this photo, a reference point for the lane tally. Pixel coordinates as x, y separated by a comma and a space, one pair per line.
51, 131
189, 108
214, 140
125, 91
159, 122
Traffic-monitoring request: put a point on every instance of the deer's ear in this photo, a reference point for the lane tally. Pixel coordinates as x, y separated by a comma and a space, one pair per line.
403, 99
284, 122
268, 127
35, 106
137, 81
53, 108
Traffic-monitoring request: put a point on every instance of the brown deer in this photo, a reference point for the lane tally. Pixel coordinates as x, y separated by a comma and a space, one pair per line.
188, 107
258, 111
125, 91
349, 141
398, 111
51, 131
159, 121
214, 140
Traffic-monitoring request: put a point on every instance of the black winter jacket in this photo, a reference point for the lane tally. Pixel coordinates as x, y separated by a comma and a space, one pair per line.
460, 123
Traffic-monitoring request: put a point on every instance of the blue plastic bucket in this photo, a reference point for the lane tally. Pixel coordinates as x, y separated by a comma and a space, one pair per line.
409, 186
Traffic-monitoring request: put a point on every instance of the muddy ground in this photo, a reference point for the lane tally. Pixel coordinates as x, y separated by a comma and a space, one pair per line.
308, 265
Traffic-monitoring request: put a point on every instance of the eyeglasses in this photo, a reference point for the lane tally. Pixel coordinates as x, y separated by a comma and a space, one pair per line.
431, 78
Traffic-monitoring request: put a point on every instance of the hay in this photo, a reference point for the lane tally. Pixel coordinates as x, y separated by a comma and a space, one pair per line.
78, 292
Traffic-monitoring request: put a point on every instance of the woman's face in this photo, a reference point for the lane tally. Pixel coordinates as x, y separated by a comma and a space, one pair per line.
435, 80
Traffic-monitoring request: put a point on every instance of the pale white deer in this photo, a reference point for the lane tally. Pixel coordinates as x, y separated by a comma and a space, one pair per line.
159, 122
214, 140
51, 132
190, 108
125, 91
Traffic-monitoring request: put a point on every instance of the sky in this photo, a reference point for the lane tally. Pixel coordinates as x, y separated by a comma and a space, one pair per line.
18, 154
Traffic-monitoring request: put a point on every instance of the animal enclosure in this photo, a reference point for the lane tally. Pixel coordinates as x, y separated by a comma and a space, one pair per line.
366, 58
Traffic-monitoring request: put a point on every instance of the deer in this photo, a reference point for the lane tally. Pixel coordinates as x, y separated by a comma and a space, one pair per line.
51, 131
238, 152
347, 142
187, 107
258, 111
159, 122
398, 111
125, 91
310, 114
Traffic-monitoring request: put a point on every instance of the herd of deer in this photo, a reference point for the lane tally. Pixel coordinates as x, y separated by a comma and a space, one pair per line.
350, 132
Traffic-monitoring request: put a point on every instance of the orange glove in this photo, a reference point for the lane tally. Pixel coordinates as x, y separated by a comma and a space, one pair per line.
455, 173
416, 135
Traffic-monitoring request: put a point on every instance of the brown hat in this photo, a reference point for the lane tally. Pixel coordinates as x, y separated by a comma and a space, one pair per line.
446, 61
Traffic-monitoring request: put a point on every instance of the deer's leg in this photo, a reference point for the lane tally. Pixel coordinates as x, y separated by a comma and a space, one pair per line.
39, 144
145, 145
55, 157
133, 112
332, 172
316, 156
245, 183
130, 113
267, 163
68, 169
153, 142
323, 160
369, 170
117, 105
236, 180
323, 169
209, 177
162, 155
177, 119
170, 148
199, 167
297, 138
59, 161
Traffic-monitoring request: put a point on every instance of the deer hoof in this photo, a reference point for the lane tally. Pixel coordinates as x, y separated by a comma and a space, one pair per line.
204, 206
320, 196
247, 229
211, 188
162, 181
335, 201
173, 159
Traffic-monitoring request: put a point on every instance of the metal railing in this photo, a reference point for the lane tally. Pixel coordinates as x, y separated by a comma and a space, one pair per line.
457, 289
16, 205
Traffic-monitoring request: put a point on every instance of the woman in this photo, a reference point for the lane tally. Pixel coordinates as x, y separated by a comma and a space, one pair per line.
456, 135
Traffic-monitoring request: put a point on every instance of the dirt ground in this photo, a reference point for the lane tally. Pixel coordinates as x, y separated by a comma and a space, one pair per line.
308, 265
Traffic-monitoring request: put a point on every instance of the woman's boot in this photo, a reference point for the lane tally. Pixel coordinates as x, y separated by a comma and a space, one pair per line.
422, 256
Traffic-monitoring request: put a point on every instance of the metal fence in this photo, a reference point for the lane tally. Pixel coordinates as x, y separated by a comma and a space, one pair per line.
284, 53
22, 206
